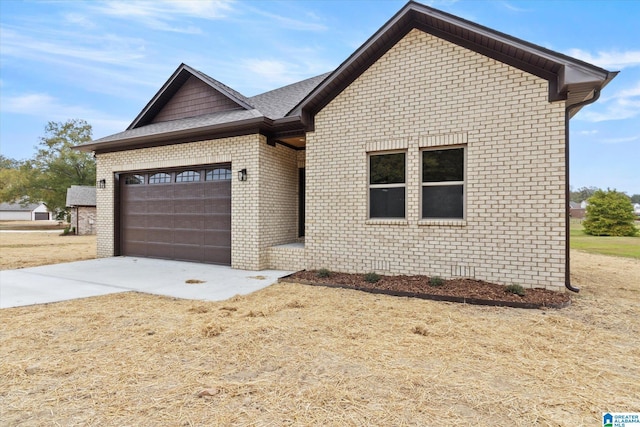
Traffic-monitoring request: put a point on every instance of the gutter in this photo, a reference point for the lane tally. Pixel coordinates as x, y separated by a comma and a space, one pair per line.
567, 114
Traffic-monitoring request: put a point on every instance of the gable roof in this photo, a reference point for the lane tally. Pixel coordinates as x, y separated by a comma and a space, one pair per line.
81, 195
17, 207
290, 110
173, 84
569, 78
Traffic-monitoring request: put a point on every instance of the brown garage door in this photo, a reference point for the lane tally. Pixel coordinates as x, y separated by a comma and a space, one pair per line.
41, 216
177, 214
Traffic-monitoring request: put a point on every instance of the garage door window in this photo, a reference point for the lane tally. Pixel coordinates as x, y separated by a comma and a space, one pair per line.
188, 176
134, 179
218, 174
160, 178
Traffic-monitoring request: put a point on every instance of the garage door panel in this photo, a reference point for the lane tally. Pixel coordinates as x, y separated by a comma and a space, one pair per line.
160, 235
188, 222
217, 206
218, 189
136, 207
159, 250
218, 222
188, 237
136, 220
137, 234
159, 191
189, 253
188, 206
158, 206
217, 255
135, 248
183, 221
217, 238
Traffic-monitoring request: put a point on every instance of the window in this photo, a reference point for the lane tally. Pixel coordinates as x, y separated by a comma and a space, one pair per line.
387, 185
160, 178
218, 174
134, 179
443, 174
188, 176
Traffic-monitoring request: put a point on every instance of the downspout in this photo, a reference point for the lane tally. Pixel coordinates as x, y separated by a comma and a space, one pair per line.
567, 112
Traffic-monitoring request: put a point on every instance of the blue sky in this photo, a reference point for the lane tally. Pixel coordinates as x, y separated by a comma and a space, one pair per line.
103, 61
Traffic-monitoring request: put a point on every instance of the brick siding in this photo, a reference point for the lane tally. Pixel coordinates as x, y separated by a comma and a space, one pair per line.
427, 92
83, 219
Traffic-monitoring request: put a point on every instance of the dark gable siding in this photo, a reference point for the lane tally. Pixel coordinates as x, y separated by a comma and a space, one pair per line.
194, 98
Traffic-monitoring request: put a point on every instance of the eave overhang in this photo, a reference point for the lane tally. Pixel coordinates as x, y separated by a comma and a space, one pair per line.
272, 129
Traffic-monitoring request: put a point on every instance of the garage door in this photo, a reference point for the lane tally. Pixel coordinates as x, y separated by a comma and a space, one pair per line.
41, 216
177, 214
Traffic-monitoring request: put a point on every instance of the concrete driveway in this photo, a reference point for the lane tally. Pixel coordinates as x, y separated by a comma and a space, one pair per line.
60, 282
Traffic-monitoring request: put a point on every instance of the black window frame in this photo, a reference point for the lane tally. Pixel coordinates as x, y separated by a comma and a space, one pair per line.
211, 175
371, 187
188, 175
444, 183
165, 180
139, 179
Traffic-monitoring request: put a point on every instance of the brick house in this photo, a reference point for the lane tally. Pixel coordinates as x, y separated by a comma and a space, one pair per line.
406, 159
81, 201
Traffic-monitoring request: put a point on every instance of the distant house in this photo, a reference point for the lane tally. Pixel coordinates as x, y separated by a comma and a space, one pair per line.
636, 208
82, 201
576, 210
29, 212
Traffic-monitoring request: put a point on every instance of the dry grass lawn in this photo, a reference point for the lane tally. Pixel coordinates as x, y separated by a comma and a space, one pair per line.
30, 249
300, 355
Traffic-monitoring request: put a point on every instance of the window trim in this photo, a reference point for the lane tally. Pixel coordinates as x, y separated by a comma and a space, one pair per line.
371, 186
423, 184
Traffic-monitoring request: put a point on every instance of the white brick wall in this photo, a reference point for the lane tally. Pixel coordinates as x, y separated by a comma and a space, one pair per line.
426, 92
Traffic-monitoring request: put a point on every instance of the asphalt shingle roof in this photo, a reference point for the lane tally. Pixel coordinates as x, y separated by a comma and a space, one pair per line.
17, 207
183, 124
277, 103
81, 195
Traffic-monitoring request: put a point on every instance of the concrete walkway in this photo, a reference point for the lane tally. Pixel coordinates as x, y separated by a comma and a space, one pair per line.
60, 282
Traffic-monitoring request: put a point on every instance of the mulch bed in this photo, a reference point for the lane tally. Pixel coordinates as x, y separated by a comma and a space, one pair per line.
469, 291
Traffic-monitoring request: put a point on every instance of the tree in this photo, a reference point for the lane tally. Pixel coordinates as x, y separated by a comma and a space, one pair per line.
635, 198
8, 163
582, 193
609, 213
54, 168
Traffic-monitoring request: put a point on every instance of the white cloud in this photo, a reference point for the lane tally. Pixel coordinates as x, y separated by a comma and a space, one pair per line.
109, 48
588, 132
273, 73
161, 15
513, 8
624, 104
80, 20
290, 23
49, 108
608, 60
621, 140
